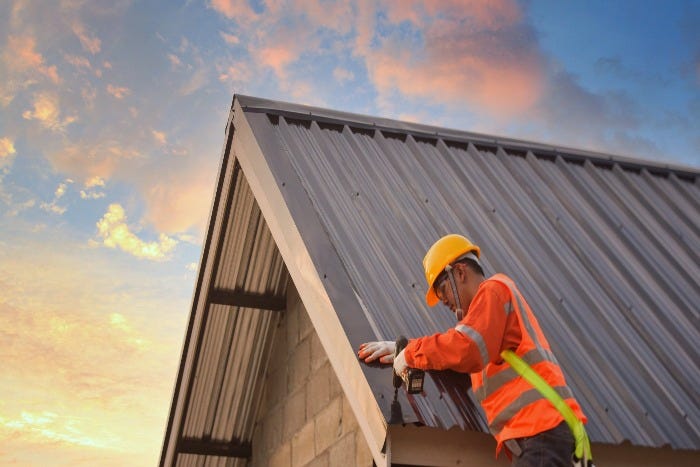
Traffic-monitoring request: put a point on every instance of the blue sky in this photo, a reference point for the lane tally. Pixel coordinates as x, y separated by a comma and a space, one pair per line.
112, 117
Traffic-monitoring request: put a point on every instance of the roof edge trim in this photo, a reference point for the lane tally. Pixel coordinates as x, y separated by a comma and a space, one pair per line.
298, 111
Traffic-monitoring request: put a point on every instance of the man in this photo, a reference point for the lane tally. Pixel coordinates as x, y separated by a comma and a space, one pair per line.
492, 316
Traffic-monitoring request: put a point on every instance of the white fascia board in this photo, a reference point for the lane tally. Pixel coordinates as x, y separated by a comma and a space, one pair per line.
413, 445
424, 446
308, 282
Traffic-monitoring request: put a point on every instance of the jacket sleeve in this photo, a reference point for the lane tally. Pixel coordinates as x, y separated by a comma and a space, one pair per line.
473, 343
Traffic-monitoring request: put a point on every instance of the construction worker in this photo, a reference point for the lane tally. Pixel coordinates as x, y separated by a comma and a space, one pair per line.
492, 316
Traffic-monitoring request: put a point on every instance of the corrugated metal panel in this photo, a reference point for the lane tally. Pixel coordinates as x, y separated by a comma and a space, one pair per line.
231, 348
604, 248
191, 460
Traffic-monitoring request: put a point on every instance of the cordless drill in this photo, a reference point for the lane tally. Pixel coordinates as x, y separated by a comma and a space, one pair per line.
412, 377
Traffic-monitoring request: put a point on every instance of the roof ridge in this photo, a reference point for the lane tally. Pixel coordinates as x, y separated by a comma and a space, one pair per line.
570, 154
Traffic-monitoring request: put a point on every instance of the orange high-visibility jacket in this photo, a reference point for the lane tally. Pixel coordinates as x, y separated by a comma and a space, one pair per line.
499, 318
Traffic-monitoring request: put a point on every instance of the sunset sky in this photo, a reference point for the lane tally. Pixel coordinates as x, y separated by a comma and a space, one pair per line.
112, 117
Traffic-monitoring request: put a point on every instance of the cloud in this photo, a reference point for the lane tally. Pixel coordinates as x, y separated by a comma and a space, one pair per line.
86, 160
197, 81
61, 190
176, 201
159, 136
119, 92
7, 148
89, 42
91, 194
82, 63
21, 53
342, 75
53, 206
115, 233
481, 54
174, 60
46, 111
195, 68
50, 427
238, 73
16, 208
229, 38
239, 10
94, 181
278, 57
21, 58
90, 191
484, 55
88, 345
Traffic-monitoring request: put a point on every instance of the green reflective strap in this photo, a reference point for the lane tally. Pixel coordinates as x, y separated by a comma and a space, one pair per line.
583, 445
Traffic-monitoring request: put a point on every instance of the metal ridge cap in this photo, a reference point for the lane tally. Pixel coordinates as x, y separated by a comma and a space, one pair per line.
306, 112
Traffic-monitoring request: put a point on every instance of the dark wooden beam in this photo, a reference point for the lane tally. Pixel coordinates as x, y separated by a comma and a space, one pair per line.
247, 300
204, 447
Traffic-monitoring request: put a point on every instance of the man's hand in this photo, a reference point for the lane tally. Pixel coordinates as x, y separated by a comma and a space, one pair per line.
400, 365
382, 350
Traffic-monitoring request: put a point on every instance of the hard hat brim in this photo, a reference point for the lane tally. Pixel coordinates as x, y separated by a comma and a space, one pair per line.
431, 297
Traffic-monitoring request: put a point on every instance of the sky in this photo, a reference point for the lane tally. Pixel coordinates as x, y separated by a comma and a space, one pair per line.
112, 119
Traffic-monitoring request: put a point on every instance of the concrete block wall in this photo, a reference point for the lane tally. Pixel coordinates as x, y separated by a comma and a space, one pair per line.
304, 418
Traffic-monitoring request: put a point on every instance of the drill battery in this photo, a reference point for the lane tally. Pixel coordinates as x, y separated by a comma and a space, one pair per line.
412, 378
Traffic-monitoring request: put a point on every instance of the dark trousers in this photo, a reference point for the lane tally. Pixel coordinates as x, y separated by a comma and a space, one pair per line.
551, 448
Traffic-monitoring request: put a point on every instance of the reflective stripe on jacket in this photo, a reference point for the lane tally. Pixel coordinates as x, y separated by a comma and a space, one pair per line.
498, 318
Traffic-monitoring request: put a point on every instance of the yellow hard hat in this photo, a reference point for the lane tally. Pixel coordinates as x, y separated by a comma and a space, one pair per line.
443, 252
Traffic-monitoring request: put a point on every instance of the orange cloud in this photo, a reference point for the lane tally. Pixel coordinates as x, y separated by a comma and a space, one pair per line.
7, 148
46, 111
229, 38
115, 233
58, 194
178, 201
174, 60
7, 152
278, 57
478, 52
159, 136
86, 160
237, 73
89, 42
20, 56
77, 61
118, 92
94, 181
79, 367
21, 53
239, 10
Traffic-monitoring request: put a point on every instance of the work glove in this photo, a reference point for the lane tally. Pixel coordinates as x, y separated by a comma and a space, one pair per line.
400, 365
382, 350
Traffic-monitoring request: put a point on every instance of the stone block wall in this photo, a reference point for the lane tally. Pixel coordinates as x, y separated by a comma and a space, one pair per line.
304, 418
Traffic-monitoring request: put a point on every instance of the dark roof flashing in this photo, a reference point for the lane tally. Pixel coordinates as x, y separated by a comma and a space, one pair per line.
303, 115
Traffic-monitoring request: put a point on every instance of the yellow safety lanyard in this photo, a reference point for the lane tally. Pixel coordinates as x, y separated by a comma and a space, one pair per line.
582, 452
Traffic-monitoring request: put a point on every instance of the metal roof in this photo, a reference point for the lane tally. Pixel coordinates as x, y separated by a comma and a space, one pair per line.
605, 248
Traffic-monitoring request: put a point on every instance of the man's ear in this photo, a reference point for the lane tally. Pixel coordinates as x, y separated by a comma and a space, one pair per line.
461, 272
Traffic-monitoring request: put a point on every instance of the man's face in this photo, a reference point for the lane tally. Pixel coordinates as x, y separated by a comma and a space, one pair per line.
444, 291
